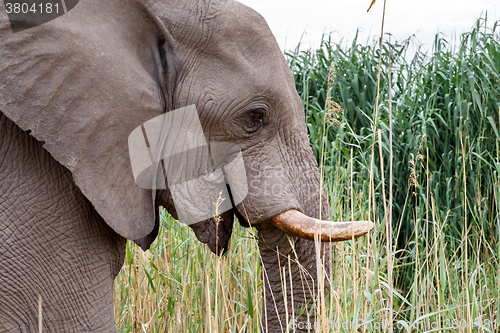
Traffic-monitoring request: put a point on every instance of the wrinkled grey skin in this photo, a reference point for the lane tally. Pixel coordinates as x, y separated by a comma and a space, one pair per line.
73, 89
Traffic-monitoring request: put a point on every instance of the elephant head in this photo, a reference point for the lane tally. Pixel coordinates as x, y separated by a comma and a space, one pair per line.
82, 83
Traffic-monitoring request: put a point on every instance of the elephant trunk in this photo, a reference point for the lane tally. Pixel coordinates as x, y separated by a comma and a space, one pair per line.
290, 275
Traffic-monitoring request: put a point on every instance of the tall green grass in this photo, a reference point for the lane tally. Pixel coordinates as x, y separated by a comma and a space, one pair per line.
446, 114
446, 160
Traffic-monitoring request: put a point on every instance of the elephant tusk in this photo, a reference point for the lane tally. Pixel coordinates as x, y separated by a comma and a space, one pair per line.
297, 224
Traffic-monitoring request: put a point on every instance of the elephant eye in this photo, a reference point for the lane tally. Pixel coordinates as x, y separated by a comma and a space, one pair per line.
253, 120
257, 115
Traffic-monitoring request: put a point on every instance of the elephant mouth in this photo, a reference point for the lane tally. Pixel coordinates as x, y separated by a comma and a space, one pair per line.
297, 224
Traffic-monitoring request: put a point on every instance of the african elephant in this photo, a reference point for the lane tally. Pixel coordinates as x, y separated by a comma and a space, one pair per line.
72, 90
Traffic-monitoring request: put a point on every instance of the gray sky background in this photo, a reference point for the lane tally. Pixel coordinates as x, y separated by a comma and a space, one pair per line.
289, 19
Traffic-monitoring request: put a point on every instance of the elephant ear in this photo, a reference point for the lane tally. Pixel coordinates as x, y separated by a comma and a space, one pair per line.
81, 84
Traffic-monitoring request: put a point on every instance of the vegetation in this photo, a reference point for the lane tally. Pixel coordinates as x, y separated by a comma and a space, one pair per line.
432, 264
181, 286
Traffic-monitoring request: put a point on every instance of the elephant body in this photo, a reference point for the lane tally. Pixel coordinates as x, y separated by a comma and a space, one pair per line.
72, 267
71, 92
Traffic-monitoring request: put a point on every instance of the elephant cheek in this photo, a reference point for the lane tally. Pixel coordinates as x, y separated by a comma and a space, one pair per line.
270, 191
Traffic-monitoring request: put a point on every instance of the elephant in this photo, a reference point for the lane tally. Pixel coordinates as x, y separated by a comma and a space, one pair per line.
73, 89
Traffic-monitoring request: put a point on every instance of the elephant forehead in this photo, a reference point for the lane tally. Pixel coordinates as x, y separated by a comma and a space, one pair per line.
243, 59
242, 32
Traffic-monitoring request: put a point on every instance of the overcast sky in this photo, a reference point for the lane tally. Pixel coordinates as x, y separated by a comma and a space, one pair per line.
289, 19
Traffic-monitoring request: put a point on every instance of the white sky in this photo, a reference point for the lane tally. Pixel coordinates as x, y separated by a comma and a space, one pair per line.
289, 19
